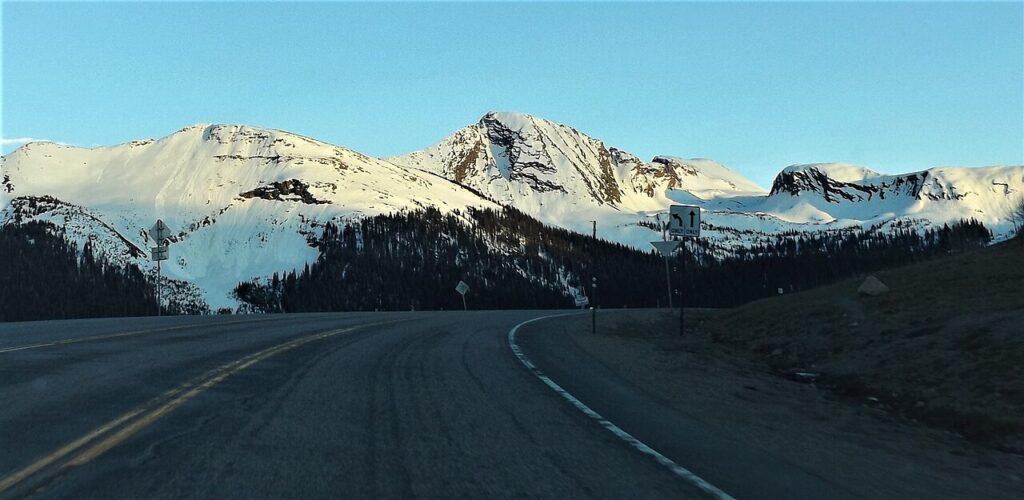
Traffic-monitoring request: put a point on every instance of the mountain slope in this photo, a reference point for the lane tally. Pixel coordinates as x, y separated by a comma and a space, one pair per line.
246, 202
563, 177
242, 201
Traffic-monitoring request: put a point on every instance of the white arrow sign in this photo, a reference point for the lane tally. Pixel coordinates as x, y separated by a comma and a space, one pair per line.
684, 220
665, 248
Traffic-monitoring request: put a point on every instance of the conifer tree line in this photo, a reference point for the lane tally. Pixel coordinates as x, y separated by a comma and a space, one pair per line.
43, 276
413, 260
797, 261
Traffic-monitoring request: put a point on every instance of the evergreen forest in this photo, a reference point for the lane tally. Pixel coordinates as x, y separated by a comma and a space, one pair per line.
413, 261
43, 276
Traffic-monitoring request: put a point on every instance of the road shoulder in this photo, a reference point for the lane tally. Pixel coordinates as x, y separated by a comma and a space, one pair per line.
863, 450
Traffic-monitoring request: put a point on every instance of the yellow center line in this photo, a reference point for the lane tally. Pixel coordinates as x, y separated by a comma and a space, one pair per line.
146, 414
20, 475
77, 340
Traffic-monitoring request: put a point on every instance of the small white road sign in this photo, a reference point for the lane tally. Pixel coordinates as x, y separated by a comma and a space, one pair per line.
159, 232
580, 299
462, 288
159, 253
665, 248
684, 220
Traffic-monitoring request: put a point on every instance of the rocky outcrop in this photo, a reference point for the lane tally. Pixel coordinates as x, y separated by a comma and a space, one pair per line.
872, 287
290, 190
512, 164
814, 180
917, 185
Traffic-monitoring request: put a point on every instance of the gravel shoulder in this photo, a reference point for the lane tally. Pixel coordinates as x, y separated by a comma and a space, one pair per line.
869, 450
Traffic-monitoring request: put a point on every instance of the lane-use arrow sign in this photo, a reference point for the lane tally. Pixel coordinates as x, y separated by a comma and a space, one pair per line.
684, 221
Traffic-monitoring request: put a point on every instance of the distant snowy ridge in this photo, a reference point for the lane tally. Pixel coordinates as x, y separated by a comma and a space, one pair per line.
566, 178
246, 202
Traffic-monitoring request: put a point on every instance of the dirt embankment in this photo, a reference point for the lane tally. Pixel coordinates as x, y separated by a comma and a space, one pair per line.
945, 346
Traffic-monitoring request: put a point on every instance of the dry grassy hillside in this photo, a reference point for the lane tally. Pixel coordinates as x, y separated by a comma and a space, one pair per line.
944, 346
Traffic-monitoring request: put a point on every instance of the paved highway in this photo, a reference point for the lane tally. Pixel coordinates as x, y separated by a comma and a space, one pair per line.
347, 405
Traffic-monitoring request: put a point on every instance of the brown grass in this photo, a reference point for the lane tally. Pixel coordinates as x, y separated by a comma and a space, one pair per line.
945, 346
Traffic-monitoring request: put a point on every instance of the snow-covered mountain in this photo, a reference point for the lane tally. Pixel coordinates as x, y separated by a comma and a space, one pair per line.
522, 160
246, 202
834, 192
243, 201
566, 178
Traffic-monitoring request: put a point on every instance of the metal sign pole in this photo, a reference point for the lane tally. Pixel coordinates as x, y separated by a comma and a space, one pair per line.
160, 234
682, 287
668, 281
684, 221
464, 302
668, 276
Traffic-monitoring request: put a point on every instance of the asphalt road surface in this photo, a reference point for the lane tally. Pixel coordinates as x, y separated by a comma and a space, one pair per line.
358, 405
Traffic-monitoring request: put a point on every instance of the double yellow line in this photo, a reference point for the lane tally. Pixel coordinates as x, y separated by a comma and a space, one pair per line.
124, 334
101, 439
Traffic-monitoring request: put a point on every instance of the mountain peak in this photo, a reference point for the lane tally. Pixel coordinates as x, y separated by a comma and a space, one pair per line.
510, 120
842, 172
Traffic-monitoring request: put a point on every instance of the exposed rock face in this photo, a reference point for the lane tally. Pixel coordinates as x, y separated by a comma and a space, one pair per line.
508, 147
294, 189
814, 179
872, 287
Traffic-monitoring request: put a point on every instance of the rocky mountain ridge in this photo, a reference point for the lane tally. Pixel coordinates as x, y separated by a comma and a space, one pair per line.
246, 201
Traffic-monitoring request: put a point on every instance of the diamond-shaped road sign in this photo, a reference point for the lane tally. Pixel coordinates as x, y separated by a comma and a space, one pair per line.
462, 288
159, 232
665, 248
684, 220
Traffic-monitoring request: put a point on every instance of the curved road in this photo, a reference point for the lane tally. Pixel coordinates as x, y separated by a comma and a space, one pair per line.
354, 405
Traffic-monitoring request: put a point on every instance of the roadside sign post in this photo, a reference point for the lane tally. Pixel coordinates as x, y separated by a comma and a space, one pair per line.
684, 221
593, 307
160, 233
462, 288
682, 288
666, 248
580, 299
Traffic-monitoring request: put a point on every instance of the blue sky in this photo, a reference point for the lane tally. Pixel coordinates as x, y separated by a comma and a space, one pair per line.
757, 86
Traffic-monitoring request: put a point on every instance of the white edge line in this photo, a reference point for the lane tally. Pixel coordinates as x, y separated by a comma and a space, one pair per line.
676, 469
